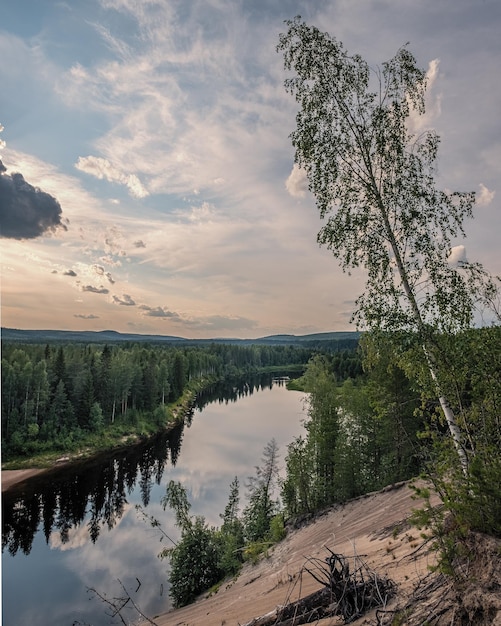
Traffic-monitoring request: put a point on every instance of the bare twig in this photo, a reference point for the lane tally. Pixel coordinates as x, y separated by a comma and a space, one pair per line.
117, 605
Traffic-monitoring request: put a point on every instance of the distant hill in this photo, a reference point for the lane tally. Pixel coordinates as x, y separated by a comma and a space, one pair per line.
331, 340
331, 336
80, 336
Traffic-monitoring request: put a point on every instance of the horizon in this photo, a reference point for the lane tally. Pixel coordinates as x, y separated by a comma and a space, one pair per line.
158, 158
214, 338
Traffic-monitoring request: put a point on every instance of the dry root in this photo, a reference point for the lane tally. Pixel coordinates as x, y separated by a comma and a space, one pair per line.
345, 593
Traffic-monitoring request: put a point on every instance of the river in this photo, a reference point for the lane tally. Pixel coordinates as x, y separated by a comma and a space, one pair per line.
77, 530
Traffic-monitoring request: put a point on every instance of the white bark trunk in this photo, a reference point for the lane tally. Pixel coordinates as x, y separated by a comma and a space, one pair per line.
450, 419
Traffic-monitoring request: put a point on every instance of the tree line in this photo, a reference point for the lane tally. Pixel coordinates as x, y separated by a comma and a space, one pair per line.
53, 397
56, 396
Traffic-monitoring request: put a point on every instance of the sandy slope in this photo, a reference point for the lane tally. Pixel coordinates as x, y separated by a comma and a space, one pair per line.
372, 526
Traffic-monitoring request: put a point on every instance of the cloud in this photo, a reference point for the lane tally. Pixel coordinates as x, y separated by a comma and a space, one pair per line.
92, 289
91, 316
100, 271
433, 102
69, 273
157, 311
457, 256
485, 197
125, 300
139, 244
103, 169
297, 183
109, 260
170, 125
210, 323
26, 212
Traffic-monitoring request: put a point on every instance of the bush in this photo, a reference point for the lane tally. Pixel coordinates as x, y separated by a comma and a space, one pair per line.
231, 554
195, 563
277, 528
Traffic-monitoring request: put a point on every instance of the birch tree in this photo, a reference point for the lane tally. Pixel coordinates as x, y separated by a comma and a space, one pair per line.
374, 184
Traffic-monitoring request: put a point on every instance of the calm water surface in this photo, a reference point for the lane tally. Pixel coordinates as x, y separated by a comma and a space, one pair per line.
78, 530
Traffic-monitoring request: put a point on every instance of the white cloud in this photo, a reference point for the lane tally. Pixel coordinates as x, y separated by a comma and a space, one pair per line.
103, 169
485, 197
432, 73
457, 255
297, 182
433, 102
183, 116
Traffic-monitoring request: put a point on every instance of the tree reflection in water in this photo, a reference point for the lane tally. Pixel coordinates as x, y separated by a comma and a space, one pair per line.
60, 500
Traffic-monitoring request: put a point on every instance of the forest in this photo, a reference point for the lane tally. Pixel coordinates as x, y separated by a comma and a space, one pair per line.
58, 397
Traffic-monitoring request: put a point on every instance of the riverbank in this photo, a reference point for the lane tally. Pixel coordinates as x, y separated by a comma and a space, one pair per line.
18, 470
373, 527
10, 478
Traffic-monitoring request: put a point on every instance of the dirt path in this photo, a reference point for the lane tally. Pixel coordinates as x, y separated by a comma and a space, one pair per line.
373, 527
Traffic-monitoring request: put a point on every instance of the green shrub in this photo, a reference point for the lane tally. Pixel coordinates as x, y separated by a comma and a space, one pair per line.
195, 563
277, 528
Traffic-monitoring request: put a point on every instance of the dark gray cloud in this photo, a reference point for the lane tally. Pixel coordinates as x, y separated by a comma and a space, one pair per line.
139, 244
91, 316
69, 273
93, 289
157, 311
26, 212
125, 300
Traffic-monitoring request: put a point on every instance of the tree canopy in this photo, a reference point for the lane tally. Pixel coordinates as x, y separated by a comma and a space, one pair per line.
373, 178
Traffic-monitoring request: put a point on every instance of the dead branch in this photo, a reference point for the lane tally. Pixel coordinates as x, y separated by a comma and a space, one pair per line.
346, 593
117, 605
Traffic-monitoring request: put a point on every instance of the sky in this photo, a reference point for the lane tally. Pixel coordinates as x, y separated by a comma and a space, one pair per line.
148, 184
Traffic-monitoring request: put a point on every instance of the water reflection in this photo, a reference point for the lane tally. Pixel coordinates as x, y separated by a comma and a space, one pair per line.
61, 500
64, 498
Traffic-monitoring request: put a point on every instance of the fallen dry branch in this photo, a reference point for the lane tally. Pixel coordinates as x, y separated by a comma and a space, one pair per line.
345, 593
430, 600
